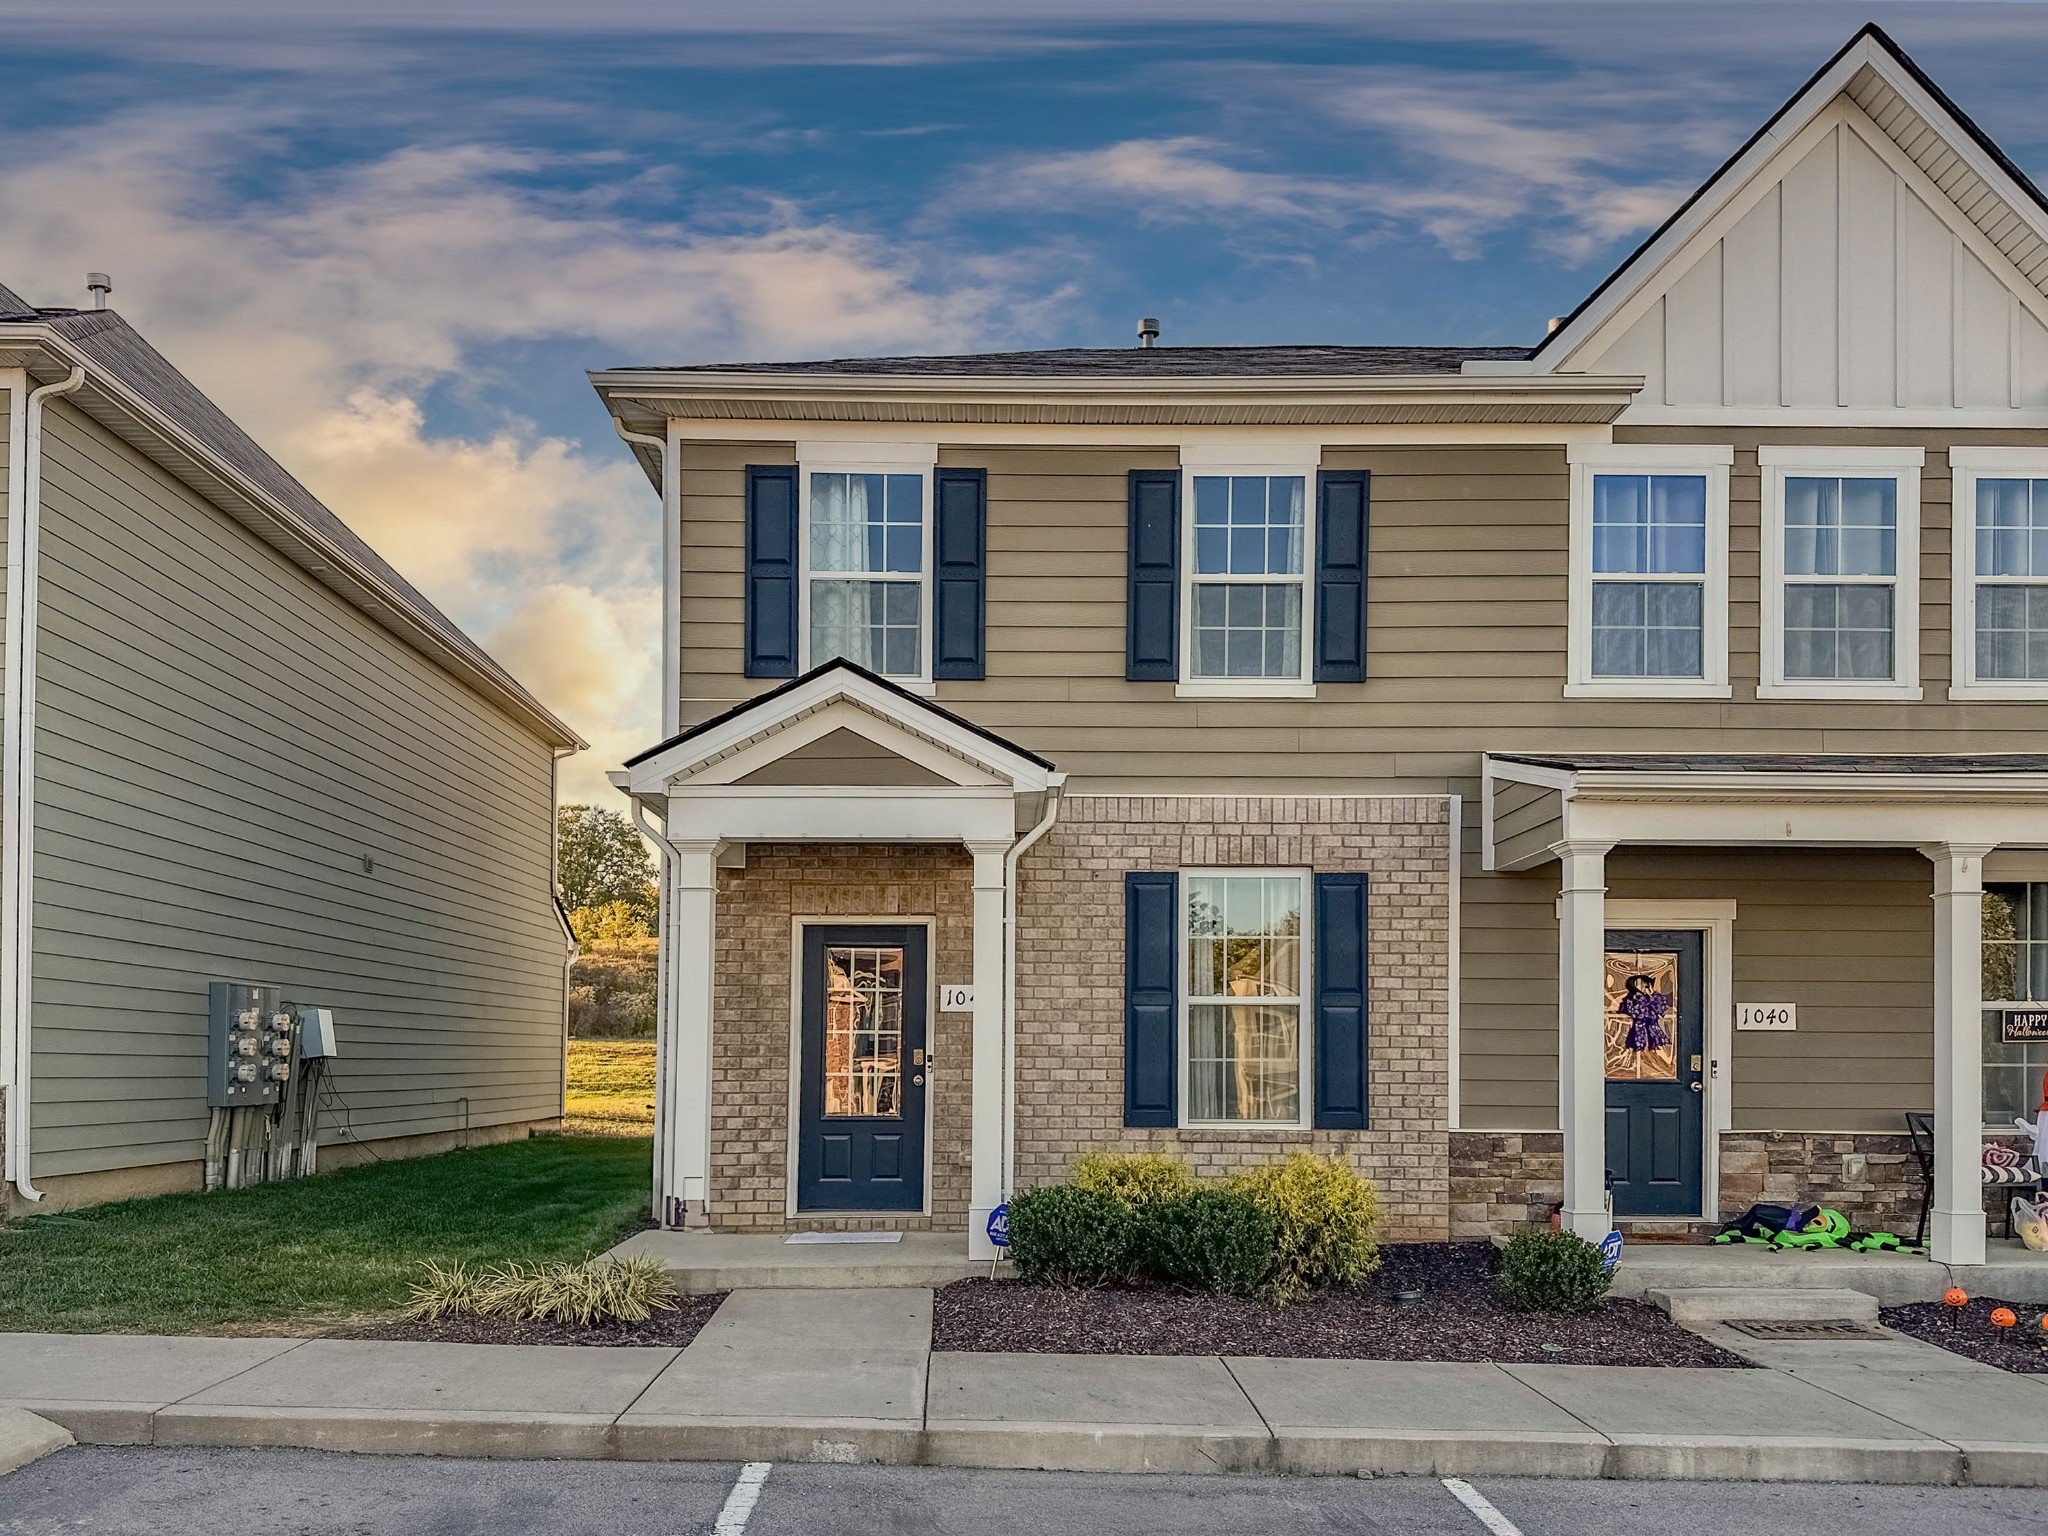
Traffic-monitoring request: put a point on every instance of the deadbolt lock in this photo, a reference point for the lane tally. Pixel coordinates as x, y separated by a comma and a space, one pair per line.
1697, 1063
917, 1057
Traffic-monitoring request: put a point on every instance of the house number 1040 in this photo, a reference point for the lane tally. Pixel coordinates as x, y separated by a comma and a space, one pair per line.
1766, 1015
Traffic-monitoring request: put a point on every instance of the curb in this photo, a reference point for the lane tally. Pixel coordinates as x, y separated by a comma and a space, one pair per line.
1072, 1447
27, 1437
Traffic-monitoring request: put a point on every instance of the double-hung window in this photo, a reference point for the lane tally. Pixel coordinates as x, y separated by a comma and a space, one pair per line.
1841, 545
1649, 572
2015, 971
866, 562
2000, 573
1248, 596
1244, 1053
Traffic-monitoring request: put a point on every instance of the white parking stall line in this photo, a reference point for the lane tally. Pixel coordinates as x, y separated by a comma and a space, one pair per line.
1481, 1507
746, 1491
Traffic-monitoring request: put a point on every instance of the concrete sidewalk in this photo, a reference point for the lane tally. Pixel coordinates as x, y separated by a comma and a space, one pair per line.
849, 1376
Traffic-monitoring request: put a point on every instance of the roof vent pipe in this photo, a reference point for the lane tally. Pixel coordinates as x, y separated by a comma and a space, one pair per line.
99, 285
1555, 322
1148, 332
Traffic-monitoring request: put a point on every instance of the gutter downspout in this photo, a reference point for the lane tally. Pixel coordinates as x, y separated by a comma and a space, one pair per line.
671, 575
1048, 814
555, 899
664, 1014
17, 771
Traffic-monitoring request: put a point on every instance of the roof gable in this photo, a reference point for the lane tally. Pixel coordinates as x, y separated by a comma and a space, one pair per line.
1869, 249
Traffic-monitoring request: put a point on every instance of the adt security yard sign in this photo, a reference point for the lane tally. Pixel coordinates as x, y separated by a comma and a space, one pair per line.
999, 1225
1610, 1251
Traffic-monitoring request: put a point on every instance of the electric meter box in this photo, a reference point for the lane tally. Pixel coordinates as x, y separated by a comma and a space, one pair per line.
249, 1042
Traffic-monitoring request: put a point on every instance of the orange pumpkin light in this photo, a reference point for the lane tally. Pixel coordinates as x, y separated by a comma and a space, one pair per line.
2003, 1318
1956, 1296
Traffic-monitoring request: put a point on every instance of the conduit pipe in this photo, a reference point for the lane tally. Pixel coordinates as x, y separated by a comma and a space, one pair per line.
664, 1014
17, 762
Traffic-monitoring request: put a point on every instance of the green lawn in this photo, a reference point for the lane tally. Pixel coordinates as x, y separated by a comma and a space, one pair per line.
316, 1250
611, 1088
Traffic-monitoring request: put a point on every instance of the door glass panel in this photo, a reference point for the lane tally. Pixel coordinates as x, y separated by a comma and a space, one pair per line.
863, 1032
1642, 1015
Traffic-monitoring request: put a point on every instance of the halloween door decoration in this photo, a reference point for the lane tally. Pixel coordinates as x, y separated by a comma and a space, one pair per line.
1642, 1004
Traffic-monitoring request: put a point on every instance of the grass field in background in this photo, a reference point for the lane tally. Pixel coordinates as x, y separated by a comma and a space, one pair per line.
611, 1088
308, 1251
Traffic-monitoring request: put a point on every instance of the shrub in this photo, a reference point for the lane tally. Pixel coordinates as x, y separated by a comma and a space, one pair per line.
1325, 1219
1135, 1178
595, 1291
1065, 1235
1545, 1271
1209, 1240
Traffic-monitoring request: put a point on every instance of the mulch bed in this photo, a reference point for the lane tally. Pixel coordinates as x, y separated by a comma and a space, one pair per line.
1459, 1318
1968, 1330
667, 1330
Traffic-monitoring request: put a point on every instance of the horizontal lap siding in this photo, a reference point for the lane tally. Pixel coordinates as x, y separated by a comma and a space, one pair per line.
1467, 614
220, 742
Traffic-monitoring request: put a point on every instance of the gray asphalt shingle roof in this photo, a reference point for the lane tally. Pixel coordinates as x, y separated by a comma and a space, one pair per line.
1144, 363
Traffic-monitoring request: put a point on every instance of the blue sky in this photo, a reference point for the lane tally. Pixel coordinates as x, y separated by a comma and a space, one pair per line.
390, 237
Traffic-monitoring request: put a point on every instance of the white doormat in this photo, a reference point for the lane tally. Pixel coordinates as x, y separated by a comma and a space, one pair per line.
844, 1237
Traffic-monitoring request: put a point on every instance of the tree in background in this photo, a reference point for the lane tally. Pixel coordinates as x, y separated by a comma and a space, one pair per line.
602, 863
607, 880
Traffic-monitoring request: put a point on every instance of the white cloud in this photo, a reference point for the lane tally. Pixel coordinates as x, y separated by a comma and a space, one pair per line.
324, 314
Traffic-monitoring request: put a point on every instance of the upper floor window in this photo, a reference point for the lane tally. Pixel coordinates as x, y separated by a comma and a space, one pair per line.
2000, 572
1840, 572
866, 558
1248, 594
1649, 571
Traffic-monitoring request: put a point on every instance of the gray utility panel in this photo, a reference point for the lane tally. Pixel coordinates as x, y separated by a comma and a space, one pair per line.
248, 1045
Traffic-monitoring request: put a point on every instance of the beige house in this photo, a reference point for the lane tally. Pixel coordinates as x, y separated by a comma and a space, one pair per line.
1514, 770
235, 745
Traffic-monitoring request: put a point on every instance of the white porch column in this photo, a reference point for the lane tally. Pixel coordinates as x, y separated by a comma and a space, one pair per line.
985, 1142
692, 961
1582, 1025
1956, 1230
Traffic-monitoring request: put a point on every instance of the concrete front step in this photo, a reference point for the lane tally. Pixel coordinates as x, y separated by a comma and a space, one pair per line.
1692, 1307
701, 1262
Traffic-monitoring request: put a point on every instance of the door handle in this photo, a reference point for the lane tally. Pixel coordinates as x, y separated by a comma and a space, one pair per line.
917, 1080
1696, 1088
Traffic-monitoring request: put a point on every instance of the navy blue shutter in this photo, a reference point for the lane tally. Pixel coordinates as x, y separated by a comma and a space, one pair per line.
1341, 497
959, 573
1340, 986
1151, 997
1152, 598
771, 570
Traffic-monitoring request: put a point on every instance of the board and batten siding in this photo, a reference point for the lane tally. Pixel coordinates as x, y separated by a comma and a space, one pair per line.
221, 745
1466, 629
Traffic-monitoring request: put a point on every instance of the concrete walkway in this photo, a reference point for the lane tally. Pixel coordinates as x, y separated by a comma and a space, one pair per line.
849, 1376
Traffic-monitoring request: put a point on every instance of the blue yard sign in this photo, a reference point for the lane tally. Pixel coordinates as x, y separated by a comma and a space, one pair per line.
1610, 1250
999, 1225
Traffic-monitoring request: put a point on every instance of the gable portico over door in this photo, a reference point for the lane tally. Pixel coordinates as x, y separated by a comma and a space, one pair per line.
844, 758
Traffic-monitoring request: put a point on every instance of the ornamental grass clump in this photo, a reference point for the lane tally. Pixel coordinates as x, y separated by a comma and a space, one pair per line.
1136, 1178
1325, 1219
1542, 1270
1209, 1239
595, 1291
1067, 1235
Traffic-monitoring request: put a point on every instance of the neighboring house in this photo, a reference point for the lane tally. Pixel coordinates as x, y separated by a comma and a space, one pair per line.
1420, 754
239, 746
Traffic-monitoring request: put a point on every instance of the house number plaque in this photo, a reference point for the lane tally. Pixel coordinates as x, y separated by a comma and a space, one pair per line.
956, 999
1766, 1015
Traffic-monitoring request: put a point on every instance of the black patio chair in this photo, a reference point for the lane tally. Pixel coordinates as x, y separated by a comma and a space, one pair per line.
1920, 1126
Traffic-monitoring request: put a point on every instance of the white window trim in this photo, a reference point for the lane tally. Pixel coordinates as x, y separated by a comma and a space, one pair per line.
1710, 460
2003, 877
1306, 1005
1969, 465
918, 459
1192, 687
1899, 464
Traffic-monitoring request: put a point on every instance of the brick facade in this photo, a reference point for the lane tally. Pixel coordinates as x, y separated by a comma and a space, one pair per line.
1070, 1014
750, 1058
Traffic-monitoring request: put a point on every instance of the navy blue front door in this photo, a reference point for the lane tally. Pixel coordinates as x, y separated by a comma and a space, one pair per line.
1655, 1086
860, 1104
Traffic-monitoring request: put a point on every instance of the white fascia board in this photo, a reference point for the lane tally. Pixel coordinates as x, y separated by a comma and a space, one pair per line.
1023, 775
841, 715
803, 813
1492, 767
1682, 786
1792, 823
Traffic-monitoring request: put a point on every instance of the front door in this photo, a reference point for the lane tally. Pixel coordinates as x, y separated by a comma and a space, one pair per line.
860, 1101
1655, 1088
